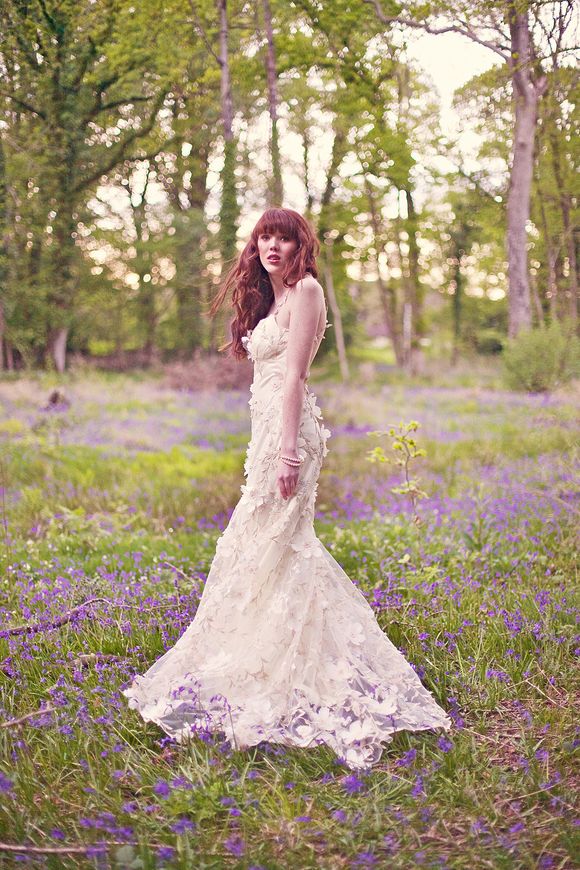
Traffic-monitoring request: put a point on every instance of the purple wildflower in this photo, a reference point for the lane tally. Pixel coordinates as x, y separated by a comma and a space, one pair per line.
365, 859
235, 845
161, 788
406, 759
6, 785
352, 784
182, 825
418, 788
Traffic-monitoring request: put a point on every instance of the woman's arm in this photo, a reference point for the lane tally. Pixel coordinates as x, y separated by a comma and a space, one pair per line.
307, 304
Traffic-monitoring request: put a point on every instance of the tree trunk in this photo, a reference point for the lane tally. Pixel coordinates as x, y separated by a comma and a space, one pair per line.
57, 347
410, 278
306, 164
536, 301
2, 334
228, 201
551, 257
565, 207
415, 288
147, 293
387, 294
277, 194
229, 205
188, 202
9, 357
457, 307
410, 275
518, 213
334, 307
526, 93
189, 281
338, 152
404, 334
62, 292
3, 249
148, 317
560, 270
388, 302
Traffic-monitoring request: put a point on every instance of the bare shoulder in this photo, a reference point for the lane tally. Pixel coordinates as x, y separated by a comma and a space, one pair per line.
309, 289
308, 283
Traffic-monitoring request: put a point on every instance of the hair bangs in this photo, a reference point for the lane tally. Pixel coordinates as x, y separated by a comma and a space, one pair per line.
276, 220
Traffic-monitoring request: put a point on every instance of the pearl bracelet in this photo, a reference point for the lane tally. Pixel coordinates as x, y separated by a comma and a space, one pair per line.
292, 460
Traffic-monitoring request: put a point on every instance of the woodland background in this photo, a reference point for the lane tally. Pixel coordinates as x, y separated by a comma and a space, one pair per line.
139, 142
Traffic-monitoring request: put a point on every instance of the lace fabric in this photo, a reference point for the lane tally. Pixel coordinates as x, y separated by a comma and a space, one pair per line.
284, 647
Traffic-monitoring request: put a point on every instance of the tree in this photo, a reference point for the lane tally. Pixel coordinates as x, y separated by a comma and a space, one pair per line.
277, 194
380, 85
557, 131
507, 29
3, 251
229, 209
75, 69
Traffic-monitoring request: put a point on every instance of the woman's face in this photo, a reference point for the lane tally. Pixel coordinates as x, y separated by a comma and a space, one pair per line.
275, 249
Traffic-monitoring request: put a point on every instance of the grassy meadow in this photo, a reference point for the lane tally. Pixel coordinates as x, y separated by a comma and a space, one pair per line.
110, 509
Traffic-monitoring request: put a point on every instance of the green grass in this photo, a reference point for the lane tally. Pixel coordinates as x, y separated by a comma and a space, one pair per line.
481, 597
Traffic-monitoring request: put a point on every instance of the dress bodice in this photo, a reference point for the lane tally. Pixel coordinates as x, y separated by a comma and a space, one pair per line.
266, 346
267, 343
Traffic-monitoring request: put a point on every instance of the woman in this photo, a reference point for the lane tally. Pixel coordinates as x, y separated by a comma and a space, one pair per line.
283, 646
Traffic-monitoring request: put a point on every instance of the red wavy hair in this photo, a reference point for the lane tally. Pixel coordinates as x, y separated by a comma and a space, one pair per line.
252, 294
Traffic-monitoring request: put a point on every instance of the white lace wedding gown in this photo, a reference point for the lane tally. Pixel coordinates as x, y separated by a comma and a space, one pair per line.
283, 646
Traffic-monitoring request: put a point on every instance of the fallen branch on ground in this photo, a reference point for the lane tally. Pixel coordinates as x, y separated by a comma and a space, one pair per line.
61, 850
12, 722
89, 658
46, 626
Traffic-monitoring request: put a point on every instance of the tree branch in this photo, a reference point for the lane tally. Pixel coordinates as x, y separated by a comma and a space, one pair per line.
153, 154
347, 59
477, 184
28, 106
119, 153
49, 19
100, 89
201, 29
123, 102
27, 54
90, 52
427, 28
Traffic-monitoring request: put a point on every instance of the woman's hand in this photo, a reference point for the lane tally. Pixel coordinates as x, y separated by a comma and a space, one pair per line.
287, 477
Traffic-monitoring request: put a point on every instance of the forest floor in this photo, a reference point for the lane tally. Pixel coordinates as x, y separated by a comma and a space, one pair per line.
111, 504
